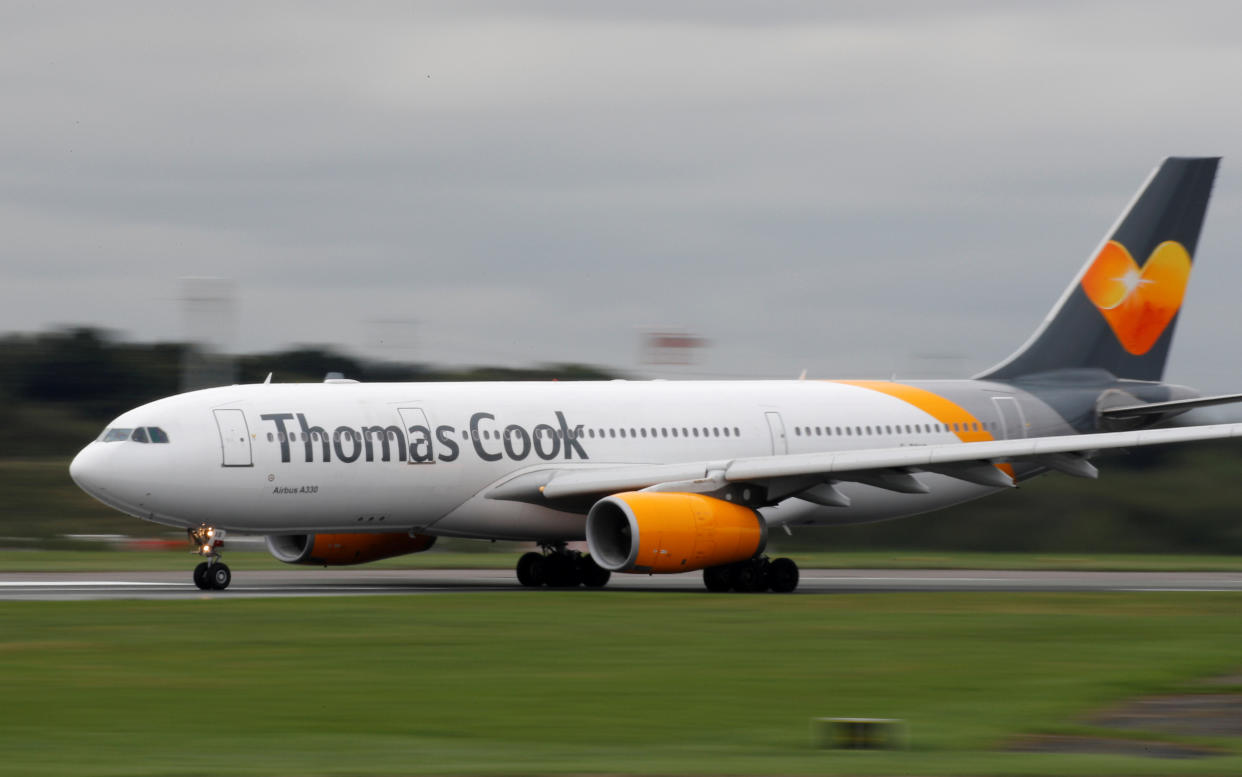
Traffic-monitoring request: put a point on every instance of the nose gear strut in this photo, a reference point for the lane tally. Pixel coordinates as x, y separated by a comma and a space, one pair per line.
211, 574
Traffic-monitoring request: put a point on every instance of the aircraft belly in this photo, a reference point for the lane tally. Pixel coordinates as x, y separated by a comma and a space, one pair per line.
492, 519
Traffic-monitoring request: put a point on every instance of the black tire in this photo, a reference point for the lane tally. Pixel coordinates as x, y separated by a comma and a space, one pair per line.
219, 576
200, 577
592, 574
783, 575
530, 570
718, 579
562, 570
749, 578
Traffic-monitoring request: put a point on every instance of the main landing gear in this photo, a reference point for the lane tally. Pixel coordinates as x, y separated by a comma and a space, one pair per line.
212, 574
753, 575
559, 567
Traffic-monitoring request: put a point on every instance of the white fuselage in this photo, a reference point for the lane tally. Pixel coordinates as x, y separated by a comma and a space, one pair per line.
347, 457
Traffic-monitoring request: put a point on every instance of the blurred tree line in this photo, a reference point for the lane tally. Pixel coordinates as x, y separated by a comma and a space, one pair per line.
58, 390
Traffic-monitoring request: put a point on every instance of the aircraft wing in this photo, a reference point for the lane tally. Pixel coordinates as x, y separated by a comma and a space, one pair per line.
892, 468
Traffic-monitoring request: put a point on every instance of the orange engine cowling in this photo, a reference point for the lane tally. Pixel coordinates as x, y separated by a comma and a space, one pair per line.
341, 549
653, 532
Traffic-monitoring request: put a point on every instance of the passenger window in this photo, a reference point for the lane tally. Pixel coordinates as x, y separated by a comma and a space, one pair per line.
798, 431
139, 435
737, 432
726, 431
674, 431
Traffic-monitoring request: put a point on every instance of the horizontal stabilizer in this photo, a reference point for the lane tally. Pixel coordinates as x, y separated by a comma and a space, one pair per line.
1172, 406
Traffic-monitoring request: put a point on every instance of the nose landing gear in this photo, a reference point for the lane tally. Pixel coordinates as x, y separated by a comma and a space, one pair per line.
211, 574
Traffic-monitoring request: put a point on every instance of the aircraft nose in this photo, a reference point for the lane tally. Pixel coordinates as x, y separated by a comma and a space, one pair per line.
84, 469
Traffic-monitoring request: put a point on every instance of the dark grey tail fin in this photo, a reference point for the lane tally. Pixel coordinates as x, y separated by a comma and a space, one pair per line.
1120, 312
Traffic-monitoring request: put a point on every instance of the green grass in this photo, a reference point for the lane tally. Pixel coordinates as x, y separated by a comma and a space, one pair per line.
102, 559
564, 682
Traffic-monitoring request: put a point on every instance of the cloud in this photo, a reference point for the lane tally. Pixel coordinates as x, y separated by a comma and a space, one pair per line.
844, 187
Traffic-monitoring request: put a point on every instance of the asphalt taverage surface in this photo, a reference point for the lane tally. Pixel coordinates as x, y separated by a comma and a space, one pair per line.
49, 586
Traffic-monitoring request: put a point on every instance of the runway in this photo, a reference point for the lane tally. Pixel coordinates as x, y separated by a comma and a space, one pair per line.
53, 586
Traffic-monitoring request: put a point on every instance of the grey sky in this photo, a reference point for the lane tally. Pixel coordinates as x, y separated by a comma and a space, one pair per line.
851, 188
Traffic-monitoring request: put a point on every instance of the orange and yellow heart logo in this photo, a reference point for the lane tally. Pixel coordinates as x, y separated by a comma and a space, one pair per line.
1138, 303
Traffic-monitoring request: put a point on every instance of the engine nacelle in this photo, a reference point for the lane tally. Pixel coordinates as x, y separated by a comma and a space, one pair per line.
342, 549
655, 532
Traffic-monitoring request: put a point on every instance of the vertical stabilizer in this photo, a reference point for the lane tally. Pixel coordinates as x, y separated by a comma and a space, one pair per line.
1120, 312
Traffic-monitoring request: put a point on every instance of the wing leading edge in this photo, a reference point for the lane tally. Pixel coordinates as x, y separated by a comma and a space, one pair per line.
793, 474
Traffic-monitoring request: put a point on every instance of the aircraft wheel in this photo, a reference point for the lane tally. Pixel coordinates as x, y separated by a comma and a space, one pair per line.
749, 577
530, 570
592, 574
718, 579
219, 576
200, 577
562, 571
783, 575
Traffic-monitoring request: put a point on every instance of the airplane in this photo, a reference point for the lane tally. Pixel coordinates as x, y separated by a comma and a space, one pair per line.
668, 477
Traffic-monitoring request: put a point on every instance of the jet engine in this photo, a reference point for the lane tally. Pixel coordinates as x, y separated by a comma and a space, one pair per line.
342, 549
654, 532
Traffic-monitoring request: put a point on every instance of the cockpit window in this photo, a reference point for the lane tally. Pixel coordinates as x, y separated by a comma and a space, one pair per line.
140, 434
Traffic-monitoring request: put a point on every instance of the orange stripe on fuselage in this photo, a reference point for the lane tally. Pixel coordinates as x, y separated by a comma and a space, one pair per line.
968, 429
